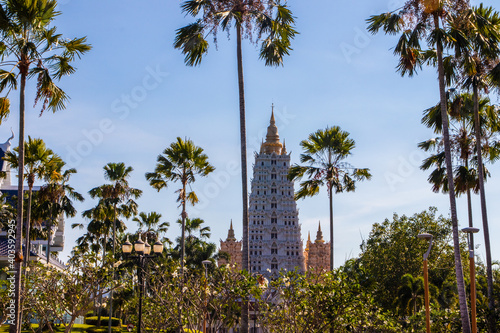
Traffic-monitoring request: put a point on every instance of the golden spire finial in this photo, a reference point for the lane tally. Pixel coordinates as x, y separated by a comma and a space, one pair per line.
230, 234
319, 234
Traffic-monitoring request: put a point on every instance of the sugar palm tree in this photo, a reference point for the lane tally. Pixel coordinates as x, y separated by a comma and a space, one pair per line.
462, 145
37, 157
150, 224
181, 162
324, 154
32, 48
477, 61
113, 194
194, 225
246, 16
415, 21
56, 199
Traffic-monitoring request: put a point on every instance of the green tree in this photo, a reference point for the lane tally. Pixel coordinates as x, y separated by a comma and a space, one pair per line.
32, 48
150, 224
113, 194
246, 16
325, 152
181, 162
415, 21
195, 225
56, 200
393, 250
477, 59
460, 109
37, 158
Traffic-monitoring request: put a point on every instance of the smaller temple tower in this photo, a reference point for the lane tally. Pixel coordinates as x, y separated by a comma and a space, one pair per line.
232, 247
317, 254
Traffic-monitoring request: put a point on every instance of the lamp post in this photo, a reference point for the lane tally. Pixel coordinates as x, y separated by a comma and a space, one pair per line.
470, 231
427, 237
143, 251
205, 264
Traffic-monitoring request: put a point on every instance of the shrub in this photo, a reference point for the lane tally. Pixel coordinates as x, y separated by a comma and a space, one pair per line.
103, 329
104, 321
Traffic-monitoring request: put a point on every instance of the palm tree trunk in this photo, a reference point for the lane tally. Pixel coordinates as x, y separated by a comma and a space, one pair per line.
330, 194
112, 271
28, 224
20, 197
244, 188
49, 230
484, 214
464, 313
183, 248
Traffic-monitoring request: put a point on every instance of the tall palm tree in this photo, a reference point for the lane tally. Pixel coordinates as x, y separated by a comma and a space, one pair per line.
32, 48
246, 16
324, 154
181, 162
113, 194
429, 19
37, 158
477, 60
460, 109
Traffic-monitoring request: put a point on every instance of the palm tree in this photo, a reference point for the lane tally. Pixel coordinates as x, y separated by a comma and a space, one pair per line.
193, 225
246, 16
32, 48
37, 157
113, 194
478, 60
182, 161
462, 146
324, 153
416, 20
56, 200
151, 226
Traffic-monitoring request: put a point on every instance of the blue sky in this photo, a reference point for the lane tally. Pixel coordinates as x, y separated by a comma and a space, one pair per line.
132, 96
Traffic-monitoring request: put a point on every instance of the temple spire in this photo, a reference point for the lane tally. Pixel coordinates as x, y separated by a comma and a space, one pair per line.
230, 234
272, 143
319, 234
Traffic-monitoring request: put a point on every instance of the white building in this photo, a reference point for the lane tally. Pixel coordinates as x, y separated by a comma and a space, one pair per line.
274, 230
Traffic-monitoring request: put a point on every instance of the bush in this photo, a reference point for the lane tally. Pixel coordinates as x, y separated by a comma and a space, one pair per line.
104, 321
103, 329
89, 314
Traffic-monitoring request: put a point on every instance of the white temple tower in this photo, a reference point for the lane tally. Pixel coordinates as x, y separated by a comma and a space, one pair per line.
274, 230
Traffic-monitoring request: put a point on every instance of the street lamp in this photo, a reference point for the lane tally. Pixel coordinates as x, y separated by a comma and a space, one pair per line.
427, 237
205, 264
143, 251
470, 231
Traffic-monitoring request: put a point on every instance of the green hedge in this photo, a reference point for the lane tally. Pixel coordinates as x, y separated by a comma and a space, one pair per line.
103, 329
104, 321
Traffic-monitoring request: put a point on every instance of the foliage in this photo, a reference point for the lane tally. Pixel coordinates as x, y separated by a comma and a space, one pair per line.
220, 295
251, 18
104, 321
52, 293
393, 250
297, 302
